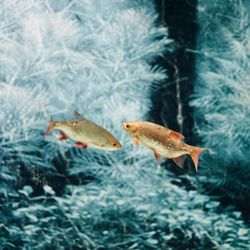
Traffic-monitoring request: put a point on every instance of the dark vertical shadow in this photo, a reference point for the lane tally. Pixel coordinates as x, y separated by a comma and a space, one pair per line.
180, 17
171, 100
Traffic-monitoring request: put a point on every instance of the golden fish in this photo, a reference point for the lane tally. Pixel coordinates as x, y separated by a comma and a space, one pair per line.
85, 133
163, 141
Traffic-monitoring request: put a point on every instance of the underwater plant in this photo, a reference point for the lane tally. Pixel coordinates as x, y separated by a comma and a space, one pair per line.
95, 57
221, 99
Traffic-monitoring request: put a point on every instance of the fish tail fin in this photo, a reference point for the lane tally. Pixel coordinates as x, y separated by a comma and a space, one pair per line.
51, 126
195, 156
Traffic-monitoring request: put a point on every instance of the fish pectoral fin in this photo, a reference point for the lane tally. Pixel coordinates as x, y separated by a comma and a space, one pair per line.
179, 161
63, 137
157, 156
176, 135
81, 145
135, 141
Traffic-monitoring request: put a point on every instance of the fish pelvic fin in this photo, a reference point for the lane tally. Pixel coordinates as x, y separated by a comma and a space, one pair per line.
135, 141
195, 156
179, 161
51, 126
80, 145
63, 136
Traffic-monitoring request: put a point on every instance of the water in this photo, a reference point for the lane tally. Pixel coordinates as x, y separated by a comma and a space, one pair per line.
103, 59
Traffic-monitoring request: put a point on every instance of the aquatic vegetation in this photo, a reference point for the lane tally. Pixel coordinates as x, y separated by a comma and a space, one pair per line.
126, 217
94, 57
21, 119
221, 98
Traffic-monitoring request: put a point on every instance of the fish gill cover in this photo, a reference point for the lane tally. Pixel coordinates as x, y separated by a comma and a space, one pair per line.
94, 57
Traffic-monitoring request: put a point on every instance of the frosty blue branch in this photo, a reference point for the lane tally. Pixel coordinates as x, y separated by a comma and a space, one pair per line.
93, 57
222, 89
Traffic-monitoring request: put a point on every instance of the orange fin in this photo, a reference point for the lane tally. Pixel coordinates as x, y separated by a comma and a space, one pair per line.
135, 141
157, 156
63, 137
179, 161
81, 145
195, 156
176, 135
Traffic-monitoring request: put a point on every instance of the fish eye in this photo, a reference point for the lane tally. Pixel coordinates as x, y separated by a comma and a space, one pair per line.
114, 144
127, 126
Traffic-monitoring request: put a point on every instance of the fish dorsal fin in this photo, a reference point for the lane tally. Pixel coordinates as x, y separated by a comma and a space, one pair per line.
176, 135
78, 115
179, 161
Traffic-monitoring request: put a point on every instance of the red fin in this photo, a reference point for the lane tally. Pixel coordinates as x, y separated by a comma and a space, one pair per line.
63, 137
179, 161
195, 156
177, 135
135, 141
157, 156
80, 144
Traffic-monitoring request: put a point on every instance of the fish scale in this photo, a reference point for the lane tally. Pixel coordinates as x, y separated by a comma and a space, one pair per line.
160, 139
85, 133
163, 141
164, 149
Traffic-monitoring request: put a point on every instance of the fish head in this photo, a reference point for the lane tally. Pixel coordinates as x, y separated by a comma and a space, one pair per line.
132, 128
113, 145
52, 125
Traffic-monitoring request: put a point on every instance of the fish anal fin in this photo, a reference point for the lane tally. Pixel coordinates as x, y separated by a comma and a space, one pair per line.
81, 145
179, 161
176, 135
195, 156
63, 137
135, 141
157, 156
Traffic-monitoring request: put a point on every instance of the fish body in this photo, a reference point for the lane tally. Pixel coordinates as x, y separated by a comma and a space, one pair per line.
85, 133
164, 142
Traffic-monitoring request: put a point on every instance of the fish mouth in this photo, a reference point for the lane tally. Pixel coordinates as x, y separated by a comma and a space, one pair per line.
126, 125
116, 146
129, 128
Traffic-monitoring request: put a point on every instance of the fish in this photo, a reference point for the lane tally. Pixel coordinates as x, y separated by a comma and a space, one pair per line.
164, 142
85, 133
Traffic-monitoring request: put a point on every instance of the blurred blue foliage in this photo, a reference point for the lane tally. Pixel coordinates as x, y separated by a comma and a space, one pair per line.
94, 57
221, 100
